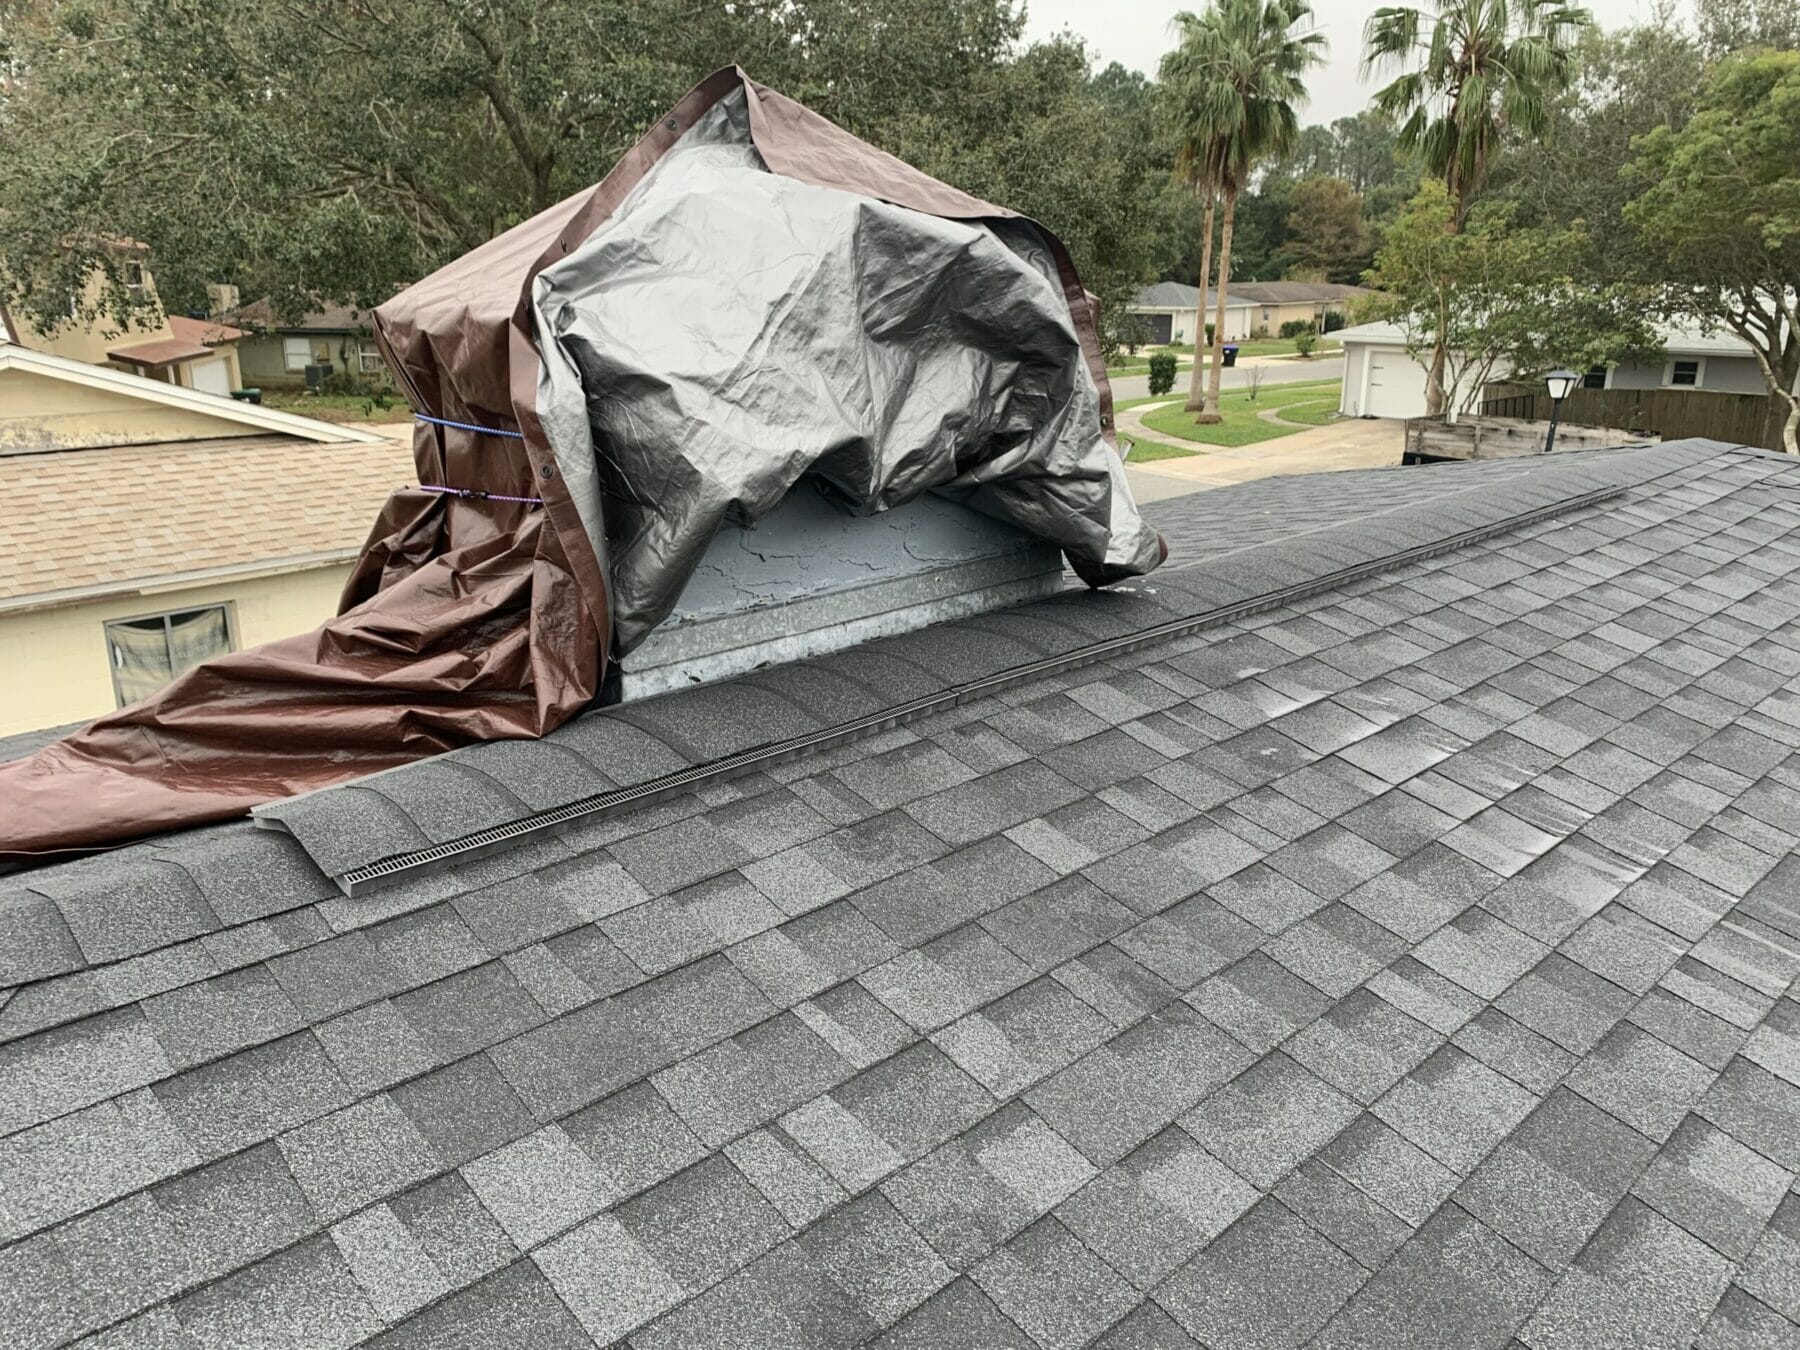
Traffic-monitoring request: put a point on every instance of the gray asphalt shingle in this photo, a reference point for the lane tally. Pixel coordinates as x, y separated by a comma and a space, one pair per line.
1412, 963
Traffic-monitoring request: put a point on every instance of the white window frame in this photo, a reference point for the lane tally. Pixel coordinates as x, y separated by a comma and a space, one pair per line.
134, 277
287, 359
1699, 364
368, 358
112, 669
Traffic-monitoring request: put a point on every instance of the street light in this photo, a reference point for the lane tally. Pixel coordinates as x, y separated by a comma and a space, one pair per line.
1560, 383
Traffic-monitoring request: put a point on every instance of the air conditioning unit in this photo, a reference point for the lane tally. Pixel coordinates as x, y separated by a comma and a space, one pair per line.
316, 375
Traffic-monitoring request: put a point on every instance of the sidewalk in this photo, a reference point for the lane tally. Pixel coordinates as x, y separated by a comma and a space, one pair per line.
1354, 443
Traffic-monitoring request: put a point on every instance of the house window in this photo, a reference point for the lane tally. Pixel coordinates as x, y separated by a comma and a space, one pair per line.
368, 359
147, 653
1684, 373
1595, 378
134, 277
296, 354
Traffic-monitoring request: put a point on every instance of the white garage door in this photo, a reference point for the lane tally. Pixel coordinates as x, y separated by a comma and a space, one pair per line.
1396, 384
212, 377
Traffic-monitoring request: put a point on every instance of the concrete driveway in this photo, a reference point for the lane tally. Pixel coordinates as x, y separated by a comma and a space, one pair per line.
1353, 443
1275, 370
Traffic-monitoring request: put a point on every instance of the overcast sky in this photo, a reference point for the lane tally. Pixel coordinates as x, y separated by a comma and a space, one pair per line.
1136, 33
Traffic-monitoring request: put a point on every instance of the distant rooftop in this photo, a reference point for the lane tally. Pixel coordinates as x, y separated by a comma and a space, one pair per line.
85, 522
1177, 295
260, 314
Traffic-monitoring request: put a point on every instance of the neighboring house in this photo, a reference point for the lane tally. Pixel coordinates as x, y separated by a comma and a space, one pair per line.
1274, 303
1382, 379
1167, 309
1380, 930
1252, 308
190, 353
279, 350
149, 526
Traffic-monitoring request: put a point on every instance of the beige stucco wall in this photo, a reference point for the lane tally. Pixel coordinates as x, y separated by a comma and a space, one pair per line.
37, 412
88, 342
1267, 319
54, 666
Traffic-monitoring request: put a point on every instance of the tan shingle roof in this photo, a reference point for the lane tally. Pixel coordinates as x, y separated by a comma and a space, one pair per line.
208, 331
80, 520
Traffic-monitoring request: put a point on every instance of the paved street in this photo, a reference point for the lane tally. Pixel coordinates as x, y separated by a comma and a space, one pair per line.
1275, 370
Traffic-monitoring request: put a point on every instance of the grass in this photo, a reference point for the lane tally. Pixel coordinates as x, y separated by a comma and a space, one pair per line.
1313, 413
337, 407
1184, 353
1310, 403
1142, 451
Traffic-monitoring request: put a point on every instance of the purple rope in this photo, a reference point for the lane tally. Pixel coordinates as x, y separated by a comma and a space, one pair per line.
476, 495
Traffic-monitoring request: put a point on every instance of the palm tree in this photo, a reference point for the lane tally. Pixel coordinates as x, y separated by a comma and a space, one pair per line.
1183, 74
1471, 72
1237, 74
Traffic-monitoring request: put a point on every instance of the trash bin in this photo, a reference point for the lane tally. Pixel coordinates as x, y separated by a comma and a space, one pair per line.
1230, 354
247, 395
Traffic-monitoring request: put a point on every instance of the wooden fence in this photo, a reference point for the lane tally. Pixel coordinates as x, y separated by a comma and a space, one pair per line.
1431, 438
1742, 419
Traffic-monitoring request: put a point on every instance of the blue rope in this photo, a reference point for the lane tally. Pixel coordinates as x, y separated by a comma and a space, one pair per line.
467, 426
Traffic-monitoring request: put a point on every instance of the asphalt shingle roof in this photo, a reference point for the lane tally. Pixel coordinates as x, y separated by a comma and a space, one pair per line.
1410, 963
96, 521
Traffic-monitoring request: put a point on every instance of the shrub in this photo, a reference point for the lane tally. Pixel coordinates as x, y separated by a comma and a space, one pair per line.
1305, 341
1134, 332
343, 384
1333, 320
1209, 333
1162, 373
1295, 327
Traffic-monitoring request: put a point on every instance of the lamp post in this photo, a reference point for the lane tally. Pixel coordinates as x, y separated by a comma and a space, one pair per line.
1560, 382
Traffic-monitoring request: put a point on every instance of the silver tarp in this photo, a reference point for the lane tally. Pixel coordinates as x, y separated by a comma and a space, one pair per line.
730, 331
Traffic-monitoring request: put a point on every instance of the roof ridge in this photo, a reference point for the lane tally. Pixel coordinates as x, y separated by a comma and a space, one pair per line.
1229, 585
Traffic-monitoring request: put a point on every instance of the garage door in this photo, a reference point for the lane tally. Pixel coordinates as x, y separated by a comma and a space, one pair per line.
212, 377
1161, 325
1396, 384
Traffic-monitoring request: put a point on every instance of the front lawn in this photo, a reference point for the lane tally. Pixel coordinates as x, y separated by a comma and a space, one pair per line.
1311, 403
1184, 354
337, 407
1142, 451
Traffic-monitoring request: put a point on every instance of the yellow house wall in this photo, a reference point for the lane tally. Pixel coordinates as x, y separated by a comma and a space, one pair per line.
54, 667
1278, 315
37, 412
88, 342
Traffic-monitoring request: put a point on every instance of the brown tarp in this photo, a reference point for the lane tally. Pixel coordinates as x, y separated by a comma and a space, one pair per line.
464, 620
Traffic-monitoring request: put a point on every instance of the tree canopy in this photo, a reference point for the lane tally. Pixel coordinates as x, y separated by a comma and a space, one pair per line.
1326, 234
1718, 215
1470, 73
331, 153
1233, 86
1499, 299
